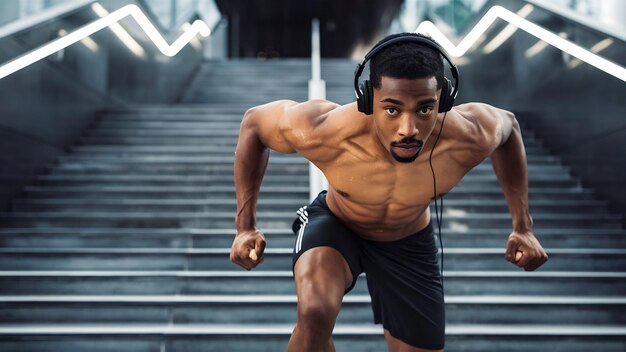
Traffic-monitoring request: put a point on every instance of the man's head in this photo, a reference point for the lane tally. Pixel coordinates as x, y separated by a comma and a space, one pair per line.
407, 78
406, 60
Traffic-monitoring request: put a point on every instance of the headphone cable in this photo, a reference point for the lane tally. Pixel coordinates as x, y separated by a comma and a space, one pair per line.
438, 215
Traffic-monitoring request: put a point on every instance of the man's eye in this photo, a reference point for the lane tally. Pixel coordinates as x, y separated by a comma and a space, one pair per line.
391, 111
425, 110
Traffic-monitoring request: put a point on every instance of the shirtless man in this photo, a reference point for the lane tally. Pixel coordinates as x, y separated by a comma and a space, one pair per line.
375, 217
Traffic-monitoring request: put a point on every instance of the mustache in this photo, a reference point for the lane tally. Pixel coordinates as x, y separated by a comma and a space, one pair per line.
408, 142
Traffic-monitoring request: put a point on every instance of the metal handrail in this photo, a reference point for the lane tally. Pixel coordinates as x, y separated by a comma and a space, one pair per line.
43, 51
498, 12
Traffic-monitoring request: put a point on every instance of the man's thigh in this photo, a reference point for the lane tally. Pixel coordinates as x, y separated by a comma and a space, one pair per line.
325, 250
322, 270
407, 294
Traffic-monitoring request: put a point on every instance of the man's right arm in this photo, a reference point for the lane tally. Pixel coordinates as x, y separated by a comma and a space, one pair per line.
266, 126
251, 158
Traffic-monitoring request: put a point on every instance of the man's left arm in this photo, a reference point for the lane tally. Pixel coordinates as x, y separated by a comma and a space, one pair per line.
509, 163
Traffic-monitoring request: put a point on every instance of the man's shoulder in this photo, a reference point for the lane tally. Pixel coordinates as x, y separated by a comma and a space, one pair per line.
473, 120
462, 122
317, 129
469, 129
328, 119
470, 113
314, 107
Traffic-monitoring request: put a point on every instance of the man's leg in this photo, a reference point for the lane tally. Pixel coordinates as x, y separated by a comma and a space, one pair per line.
395, 345
321, 275
404, 282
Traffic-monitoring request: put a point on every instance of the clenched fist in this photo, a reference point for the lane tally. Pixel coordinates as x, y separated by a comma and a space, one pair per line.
524, 250
247, 249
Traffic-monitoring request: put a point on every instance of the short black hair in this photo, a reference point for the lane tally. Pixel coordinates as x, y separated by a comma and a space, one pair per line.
406, 60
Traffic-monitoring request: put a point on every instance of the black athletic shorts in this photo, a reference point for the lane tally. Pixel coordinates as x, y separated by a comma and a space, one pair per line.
403, 276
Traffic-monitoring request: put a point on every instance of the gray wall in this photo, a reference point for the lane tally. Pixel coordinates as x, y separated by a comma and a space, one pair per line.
46, 107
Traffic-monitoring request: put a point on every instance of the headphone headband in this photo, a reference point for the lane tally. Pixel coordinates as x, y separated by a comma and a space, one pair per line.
407, 38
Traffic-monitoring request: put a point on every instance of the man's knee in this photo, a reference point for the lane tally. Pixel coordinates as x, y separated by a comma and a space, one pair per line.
317, 308
320, 284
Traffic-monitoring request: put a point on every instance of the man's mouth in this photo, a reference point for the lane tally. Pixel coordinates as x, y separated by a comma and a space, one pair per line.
407, 150
407, 146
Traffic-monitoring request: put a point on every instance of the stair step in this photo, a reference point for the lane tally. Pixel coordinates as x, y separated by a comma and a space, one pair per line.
281, 282
471, 179
227, 140
281, 309
174, 159
301, 169
182, 192
229, 204
273, 219
194, 128
208, 149
232, 115
177, 125
477, 181
536, 160
186, 180
226, 168
147, 259
88, 237
174, 205
187, 122
249, 100
174, 109
165, 132
274, 337
146, 140
125, 192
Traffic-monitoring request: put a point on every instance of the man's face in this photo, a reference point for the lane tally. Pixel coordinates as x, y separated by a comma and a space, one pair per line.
405, 112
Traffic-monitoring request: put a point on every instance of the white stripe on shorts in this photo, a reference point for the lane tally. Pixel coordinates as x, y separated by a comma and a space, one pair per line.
304, 219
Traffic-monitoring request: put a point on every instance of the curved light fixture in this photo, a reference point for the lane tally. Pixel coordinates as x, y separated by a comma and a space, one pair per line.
197, 27
553, 39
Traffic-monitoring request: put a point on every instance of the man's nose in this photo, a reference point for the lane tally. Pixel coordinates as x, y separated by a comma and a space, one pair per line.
407, 128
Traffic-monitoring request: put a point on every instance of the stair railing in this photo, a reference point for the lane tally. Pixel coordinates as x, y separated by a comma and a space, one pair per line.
107, 20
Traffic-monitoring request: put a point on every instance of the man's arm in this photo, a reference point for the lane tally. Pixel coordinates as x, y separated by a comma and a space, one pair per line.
280, 126
508, 158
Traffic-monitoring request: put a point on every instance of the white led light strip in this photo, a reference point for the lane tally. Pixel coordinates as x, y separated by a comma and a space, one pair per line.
496, 12
197, 27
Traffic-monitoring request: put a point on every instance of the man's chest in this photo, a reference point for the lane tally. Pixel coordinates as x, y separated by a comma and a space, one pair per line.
376, 182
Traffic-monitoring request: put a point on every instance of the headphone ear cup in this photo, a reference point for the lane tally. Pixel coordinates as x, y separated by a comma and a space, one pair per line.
360, 100
446, 100
369, 94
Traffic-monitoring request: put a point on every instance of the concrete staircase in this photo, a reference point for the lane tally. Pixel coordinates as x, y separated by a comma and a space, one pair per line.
123, 244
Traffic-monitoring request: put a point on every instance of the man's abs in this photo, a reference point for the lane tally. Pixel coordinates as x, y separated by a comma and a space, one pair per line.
385, 222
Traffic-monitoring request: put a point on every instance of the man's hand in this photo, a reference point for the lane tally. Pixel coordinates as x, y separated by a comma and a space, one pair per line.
247, 249
524, 250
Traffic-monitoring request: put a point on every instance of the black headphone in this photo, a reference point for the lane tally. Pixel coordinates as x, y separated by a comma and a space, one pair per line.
365, 91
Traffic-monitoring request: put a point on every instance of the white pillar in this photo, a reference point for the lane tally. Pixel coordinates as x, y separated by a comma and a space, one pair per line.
317, 90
